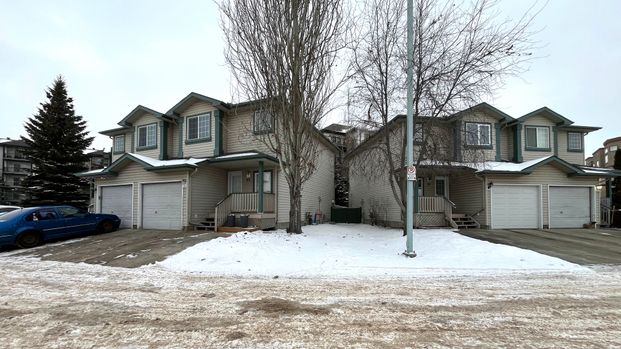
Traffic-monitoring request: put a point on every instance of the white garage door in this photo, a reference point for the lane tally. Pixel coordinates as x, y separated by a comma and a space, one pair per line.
570, 207
118, 200
161, 206
515, 206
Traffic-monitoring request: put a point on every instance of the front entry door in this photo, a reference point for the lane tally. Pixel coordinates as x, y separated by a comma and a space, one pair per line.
235, 182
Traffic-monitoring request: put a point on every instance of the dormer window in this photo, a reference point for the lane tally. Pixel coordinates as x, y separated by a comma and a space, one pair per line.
199, 128
538, 137
574, 141
119, 144
147, 137
478, 134
262, 122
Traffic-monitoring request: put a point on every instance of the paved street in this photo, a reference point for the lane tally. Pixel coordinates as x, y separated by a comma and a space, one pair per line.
66, 305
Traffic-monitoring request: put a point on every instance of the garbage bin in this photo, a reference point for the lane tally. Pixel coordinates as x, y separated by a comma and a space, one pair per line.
243, 220
230, 220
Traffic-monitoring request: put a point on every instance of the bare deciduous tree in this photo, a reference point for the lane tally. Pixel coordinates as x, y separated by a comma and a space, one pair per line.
462, 54
282, 54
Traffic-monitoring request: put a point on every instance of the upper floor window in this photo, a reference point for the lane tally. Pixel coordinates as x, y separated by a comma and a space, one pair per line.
538, 137
613, 148
262, 122
199, 127
574, 141
147, 136
418, 134
119, 144
478, 134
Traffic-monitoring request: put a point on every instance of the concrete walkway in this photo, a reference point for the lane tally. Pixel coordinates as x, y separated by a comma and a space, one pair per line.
581, 246
124, 248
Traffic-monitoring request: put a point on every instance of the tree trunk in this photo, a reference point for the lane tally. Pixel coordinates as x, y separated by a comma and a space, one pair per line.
295, 210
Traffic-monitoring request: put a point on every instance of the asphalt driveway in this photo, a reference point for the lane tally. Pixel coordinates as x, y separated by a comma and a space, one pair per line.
581, 246
124, 248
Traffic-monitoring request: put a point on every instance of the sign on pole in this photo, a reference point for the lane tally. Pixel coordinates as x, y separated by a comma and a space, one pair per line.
411, 173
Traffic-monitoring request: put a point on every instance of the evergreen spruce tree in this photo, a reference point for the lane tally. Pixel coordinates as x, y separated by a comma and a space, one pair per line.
57, 139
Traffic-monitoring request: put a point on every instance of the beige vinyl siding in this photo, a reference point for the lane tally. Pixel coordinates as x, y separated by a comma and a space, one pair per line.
546, 175
201, 149
468, 194
320, 184
238, 134
146, 119
537, 120
473, 154
135, 174
570, 156
128, 146
207, 187
173, 141
506, 143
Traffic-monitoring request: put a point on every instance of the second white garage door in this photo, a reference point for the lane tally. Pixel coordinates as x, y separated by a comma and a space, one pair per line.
570, 207
515, 206
117, 200
161, 206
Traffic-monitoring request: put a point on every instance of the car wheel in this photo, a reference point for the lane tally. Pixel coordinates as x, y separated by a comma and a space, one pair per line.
105, 227
29, 239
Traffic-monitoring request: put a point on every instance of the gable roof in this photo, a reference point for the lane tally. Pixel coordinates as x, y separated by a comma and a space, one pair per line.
146, 162
193, 96
490, 109
549, 113
127, 120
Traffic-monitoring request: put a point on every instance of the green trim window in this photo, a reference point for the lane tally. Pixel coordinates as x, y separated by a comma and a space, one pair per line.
267, 182
478, 134
119, 144
574, 141
537, 137
199, 128
262, 122
147, 136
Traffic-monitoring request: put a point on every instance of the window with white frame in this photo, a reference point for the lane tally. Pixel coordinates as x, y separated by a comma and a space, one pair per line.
538, 137
613, 148
267, 182
478, 134
119, 144
147, 136
574, 141
262, 122
199, 127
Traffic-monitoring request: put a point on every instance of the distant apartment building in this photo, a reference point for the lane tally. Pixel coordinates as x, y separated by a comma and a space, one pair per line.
605, 156
15, 167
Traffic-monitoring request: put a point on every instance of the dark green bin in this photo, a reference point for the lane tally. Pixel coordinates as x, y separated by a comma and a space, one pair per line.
346, 214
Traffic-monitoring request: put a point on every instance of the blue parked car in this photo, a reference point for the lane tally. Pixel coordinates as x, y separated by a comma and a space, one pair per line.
29, 227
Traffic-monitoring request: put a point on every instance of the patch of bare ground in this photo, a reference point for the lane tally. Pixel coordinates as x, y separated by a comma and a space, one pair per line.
47, 304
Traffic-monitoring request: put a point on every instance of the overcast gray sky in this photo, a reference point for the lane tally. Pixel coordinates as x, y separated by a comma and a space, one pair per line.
117, 54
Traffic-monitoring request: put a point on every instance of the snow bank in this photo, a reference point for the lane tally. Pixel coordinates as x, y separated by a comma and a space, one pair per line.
358, 251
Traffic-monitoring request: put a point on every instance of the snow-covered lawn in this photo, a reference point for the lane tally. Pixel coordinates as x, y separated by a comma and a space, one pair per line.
358, 251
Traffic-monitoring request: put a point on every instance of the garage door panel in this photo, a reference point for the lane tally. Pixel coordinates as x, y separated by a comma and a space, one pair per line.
570, 207
515, 206
117, 200
161, 206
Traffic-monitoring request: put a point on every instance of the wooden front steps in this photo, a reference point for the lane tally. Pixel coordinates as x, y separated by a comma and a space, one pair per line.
464, 221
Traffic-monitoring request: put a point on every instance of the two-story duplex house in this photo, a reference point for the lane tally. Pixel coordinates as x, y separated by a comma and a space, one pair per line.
200, 162
491, 170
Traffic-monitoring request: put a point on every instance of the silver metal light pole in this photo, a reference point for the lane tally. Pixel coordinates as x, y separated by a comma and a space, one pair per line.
409, 216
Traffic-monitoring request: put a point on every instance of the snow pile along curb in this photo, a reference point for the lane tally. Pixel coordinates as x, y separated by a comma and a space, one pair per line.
358, 251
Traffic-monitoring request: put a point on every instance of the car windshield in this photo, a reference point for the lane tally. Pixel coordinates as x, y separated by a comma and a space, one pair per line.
10, 215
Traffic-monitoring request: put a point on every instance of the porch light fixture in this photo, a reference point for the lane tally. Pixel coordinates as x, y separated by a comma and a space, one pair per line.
489, 185
247, 176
